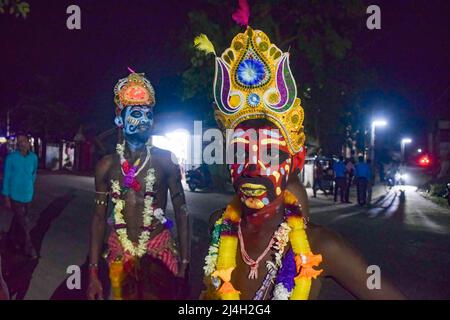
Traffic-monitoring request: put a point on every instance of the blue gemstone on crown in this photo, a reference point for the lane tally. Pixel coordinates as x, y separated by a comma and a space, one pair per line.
253, 99
251, 72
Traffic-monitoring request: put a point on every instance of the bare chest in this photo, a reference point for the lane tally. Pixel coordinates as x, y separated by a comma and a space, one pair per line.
134, 197
264, 284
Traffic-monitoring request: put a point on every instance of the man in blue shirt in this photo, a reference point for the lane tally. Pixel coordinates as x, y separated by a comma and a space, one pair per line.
363, 177
339, 179
18, 189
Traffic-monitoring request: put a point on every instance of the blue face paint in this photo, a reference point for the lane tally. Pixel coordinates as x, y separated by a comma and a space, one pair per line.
137, 122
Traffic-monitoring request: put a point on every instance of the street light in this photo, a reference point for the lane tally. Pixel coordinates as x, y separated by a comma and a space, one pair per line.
379, 123
403, 144
375, 123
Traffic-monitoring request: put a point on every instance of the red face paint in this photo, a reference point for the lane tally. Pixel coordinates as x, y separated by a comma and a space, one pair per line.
261, 167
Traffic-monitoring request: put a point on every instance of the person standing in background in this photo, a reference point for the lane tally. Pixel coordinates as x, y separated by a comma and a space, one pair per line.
350, 173
18, 189
318, 176
339, 169
362, 174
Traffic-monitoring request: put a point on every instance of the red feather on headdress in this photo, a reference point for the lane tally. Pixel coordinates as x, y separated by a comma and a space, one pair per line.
242, 15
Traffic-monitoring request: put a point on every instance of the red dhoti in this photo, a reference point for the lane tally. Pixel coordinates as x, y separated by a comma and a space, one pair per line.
151, 276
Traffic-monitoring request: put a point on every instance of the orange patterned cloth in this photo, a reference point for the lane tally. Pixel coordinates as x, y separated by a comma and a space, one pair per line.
160, 247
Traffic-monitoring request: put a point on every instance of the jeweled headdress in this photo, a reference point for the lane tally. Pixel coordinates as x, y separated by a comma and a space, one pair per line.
133, 90
253, 80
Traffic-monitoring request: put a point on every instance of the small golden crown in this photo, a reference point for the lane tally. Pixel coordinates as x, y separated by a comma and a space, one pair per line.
253, 80
133, 90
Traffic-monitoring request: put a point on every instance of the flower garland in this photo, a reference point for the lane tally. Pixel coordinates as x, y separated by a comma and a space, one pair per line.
148, 213
119, 220
131, 172
295, 271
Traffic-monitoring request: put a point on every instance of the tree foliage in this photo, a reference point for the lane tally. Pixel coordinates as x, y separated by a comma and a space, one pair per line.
40, 113
17, 8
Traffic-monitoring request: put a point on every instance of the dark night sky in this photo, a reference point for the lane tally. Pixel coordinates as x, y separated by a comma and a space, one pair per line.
411, 53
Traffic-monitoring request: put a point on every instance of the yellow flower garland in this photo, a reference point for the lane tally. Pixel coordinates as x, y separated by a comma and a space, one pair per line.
304, 258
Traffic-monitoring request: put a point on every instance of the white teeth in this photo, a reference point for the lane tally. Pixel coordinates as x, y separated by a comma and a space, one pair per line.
133, 121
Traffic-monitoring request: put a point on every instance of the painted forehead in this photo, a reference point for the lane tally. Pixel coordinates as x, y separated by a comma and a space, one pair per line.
261, 131
142, 108
262, 136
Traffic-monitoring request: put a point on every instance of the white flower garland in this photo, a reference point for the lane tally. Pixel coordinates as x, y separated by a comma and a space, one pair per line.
282, 237
211, 260
120, 149
280, 292
282, 240
148, 213
213, 254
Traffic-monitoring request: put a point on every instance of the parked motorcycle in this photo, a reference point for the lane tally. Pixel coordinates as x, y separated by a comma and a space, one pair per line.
198, 178
400, 178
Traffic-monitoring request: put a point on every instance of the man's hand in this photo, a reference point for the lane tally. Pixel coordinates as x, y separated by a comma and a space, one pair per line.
95, 289
7, 203
183, 271
183, 282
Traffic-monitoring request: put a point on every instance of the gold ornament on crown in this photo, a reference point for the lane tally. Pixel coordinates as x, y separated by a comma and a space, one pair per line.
253, 80
134, 90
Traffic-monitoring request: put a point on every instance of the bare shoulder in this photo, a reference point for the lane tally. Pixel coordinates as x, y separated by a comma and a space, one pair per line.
161, 154
164, 159
103, 169
105, 163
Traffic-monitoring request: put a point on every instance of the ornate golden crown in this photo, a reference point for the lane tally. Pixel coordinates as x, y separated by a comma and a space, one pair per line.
133, 90
253, 80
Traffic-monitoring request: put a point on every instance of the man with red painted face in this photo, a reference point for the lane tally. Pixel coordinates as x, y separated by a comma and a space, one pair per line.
262, 246
261, 182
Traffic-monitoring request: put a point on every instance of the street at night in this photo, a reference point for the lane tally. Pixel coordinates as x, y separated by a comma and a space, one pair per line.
210, 150
408, 239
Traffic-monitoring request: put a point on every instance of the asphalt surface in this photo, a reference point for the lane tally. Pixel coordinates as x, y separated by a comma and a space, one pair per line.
408, 237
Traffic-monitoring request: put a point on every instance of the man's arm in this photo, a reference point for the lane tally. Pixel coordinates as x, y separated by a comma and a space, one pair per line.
98, 225
181, 214
346, 265
35, 167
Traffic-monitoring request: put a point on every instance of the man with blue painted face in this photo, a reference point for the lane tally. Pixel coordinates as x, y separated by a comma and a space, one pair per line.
144, 261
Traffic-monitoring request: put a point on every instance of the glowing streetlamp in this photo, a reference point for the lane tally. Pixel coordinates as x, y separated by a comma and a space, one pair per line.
404, 142
379, 123
375, 123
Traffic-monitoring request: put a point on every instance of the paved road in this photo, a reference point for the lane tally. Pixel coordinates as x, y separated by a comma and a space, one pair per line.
407, 237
